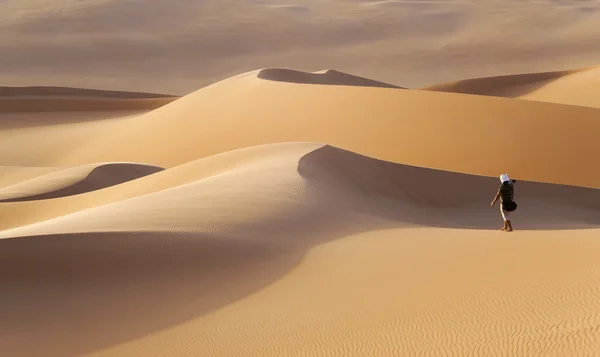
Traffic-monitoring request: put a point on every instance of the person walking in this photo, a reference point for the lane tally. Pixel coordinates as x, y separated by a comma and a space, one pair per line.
507, 204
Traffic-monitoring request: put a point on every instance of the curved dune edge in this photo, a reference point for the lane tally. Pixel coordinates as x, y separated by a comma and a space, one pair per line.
325, 77
75, 181
254, 220
573, 87
24, 213
414, 195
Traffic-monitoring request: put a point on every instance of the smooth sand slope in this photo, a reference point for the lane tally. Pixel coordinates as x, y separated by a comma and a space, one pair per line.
14, 174
300, 214
574, 87
442, 130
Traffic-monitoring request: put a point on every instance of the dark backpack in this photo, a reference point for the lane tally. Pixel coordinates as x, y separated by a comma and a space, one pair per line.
506, 191
509, 206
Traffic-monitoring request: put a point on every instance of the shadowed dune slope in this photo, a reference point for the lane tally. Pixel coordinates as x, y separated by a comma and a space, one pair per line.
462, 195
511, 86
327, 77
245, 222
74, 181
574, 87
448, 131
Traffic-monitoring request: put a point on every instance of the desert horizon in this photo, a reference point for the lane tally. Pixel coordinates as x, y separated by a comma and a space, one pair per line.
299, 179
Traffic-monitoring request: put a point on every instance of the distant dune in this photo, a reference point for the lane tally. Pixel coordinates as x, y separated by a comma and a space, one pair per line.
51, 99
74, 181
574, 87
48, 91
38, 105
327, 77
510, 86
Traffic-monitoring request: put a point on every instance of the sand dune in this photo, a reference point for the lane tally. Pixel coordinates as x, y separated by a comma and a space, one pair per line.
23, 213
412, 195
252, 226
385, 123
48, 91
574, 87
510, 86
327, 77
10, 175
74, 181
66, 105
61, 99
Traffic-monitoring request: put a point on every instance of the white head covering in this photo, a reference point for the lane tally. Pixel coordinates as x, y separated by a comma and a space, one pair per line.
504, 178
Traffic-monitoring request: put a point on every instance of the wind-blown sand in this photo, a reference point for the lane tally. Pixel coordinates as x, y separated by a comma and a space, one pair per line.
300, 214
179, 46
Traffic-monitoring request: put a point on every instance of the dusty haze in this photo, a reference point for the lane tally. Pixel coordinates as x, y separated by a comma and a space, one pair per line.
181, 45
